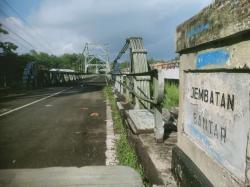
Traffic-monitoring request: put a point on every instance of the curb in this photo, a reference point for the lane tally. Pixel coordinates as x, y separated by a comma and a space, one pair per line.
152, 171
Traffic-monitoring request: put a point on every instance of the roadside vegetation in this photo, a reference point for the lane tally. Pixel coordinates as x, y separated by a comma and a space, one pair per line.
12, 64
124, 151
171, 95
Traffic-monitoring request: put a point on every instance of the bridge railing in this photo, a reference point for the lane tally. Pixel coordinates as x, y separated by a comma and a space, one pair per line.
124, 84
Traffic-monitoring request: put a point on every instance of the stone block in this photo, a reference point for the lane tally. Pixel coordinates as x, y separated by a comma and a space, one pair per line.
141, 121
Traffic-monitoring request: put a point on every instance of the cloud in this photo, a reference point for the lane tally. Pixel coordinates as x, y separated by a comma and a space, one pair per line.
19, 34
67, 25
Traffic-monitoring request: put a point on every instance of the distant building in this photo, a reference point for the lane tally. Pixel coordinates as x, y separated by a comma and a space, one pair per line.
171, 64
170, 68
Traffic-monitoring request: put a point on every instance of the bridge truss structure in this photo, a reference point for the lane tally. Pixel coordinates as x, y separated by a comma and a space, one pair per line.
142, 87
94, 55
36, 75
138, 64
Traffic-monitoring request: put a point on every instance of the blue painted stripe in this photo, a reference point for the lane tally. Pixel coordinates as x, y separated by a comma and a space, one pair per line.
218, 57
197, 29
206, 143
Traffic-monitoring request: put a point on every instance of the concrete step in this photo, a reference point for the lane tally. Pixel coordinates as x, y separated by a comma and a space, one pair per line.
93, 176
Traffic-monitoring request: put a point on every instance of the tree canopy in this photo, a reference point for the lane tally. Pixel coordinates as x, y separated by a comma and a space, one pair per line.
12, 64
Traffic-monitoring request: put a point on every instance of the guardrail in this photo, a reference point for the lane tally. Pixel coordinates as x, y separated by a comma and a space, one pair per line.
124, 84
141, 86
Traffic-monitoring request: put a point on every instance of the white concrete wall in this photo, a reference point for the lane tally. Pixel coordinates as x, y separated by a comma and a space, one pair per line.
221, 157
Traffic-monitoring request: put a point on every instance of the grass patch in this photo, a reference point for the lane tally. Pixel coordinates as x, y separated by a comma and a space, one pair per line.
115, 113
124, 151
171, 95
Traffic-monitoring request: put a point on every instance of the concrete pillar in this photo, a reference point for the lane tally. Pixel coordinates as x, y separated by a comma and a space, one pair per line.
214, 118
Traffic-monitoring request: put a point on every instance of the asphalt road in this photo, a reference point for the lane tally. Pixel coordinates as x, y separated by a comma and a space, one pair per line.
67, 129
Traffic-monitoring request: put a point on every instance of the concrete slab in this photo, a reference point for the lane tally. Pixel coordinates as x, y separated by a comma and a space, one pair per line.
71, 176
141, 121
160, 155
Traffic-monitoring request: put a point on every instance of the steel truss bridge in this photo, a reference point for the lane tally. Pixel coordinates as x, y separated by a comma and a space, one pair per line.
93, 55
35, 75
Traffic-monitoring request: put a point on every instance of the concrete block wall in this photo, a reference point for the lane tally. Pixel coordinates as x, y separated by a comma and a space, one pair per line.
214, 117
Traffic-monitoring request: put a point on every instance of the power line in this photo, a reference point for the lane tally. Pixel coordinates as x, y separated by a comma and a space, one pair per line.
14, 10
10, 30
25, 21
12, 39
16, 34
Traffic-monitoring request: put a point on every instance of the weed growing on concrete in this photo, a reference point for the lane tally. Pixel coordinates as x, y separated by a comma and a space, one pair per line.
171, 96
124, 151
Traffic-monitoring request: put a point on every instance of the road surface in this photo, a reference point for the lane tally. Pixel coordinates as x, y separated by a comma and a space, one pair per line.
45, 130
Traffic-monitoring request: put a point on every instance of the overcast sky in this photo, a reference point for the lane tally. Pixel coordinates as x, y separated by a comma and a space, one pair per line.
63, 26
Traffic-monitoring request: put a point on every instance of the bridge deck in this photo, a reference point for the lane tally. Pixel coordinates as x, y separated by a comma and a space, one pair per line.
57, 131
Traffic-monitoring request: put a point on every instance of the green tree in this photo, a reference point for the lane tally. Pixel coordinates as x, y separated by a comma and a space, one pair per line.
69, 61
124, 65
7, 47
